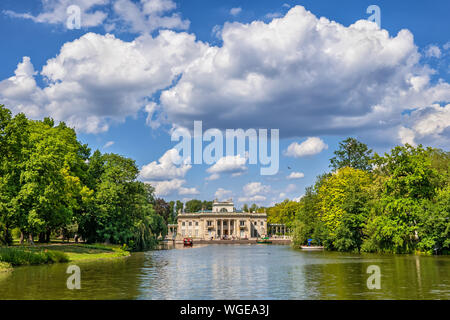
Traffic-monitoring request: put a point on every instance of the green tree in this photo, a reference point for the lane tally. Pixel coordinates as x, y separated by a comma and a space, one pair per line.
193, 205
352, 153
410, 182
343, 199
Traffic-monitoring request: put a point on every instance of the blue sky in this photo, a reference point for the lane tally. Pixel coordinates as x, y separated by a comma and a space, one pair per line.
232, 64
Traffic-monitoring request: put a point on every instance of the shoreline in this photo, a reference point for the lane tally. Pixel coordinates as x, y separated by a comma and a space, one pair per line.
74, 252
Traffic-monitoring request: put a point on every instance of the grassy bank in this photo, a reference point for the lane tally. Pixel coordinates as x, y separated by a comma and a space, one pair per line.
5, 267
56, 253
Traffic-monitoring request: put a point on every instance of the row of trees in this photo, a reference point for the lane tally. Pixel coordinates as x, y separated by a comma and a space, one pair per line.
396, 203
51, 184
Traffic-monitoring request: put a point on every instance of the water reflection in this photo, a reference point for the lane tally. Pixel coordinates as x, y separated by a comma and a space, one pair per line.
236, 272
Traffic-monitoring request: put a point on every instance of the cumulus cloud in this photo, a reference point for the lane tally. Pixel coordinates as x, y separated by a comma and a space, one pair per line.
164, 168
166, 177
305, 75
254, 192
149, 15
55, 12
309, 147
223, 194
235, 165
433, 52
427, 125
97, 80
141, 17
296, 175
171, 187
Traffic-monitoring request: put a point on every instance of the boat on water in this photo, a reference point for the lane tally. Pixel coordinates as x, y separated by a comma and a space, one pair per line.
264, 240
311, 248
188, 242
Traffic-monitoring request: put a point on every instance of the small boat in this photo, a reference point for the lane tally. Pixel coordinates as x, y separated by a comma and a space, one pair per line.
188, 242
311, 247
264, 240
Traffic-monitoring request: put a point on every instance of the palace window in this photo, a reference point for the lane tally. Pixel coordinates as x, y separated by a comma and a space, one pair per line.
242, 223
209, 223
183, 223
190, 223
262, 223
196, 223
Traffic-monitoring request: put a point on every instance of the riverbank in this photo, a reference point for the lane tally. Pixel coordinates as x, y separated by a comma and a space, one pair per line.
44, 254
5, 267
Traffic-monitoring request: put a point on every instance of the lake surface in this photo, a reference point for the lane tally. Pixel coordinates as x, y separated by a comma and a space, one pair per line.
237, 272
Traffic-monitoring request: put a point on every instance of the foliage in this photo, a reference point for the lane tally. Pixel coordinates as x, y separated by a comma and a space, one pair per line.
20, 256
353, 154
51, 184
401, 205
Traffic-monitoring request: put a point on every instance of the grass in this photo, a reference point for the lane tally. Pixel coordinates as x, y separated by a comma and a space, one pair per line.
85, 252
44, 254
24, 256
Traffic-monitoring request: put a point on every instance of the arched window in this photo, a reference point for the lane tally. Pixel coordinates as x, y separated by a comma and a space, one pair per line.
223, 210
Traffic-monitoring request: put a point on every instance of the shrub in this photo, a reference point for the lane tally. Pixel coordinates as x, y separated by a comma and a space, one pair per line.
19, 256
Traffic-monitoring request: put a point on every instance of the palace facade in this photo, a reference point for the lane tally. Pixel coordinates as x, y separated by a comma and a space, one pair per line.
222, 222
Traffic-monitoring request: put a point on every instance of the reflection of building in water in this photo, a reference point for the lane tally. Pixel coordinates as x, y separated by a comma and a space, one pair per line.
223, 221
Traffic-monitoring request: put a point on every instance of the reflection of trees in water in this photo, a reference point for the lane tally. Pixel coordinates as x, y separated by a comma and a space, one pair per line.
346, 280
402, 277
108, 279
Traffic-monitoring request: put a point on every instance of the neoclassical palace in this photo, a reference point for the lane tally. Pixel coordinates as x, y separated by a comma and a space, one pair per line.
222, 222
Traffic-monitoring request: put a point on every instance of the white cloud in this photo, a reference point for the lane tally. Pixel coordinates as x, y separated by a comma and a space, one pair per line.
428, 125
406, 135
141, 17
213, 177
298, 198
149, 15
55, 12
223, 194
171, 187
296, 175
108, 144
235, 165
165, 169
166, 177
97, 80
235, 11
433, 52
254, 188
254, 192
307, 76
309, 147
188, 191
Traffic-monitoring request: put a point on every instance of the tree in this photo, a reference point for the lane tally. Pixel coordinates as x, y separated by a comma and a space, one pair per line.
434, 224
343, 199
179, 207
162, 208
410, 183
14, 139
193, 205
352, 153
245, 207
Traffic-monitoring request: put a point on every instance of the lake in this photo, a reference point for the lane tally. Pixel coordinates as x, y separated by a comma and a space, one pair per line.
237, 272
